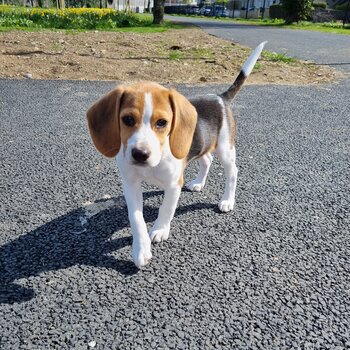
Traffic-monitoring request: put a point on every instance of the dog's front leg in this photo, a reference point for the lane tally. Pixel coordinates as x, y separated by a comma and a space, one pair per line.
161, 227
141, 245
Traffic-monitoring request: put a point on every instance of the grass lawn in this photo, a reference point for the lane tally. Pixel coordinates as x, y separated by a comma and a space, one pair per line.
79, 19
328, 27
145, 29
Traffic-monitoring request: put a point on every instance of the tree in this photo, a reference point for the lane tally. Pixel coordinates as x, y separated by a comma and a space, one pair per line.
158, 12
297, 10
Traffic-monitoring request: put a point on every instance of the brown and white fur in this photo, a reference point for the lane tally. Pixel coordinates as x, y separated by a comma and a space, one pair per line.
154, 132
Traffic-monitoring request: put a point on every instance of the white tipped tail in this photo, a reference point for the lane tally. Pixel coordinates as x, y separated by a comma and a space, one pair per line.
244, 73
254, 56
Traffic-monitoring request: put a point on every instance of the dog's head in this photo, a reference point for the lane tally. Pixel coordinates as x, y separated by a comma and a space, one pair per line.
143, 119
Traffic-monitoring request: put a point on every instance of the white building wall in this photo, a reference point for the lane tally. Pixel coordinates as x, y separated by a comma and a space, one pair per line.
260, 3
138, 6
181, 2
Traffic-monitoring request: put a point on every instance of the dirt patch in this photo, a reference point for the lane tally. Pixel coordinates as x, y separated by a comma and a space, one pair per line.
178, 56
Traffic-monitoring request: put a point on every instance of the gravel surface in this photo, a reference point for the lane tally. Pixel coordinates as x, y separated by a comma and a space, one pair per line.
323, 48
273, 274
189, 56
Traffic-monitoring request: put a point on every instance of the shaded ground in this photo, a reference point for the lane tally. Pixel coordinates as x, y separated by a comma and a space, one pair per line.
178, 56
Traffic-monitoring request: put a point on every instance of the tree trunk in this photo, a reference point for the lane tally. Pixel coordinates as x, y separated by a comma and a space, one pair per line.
158, 12
346, 17
263, 10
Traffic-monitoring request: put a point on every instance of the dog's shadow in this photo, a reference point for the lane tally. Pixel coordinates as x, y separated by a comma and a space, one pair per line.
76, 238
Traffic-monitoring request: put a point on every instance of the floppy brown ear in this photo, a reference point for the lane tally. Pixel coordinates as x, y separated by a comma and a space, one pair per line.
103, 121
183, 126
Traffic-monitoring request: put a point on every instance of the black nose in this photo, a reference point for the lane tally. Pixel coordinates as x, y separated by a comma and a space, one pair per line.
140, 155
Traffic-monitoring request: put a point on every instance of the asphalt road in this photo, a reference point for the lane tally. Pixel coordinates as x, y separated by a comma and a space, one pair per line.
273, 274
323, 48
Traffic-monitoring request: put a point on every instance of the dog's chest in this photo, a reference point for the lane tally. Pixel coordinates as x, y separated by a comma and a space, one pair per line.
168, 171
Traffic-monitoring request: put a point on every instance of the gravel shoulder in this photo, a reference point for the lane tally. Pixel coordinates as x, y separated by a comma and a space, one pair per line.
188, 56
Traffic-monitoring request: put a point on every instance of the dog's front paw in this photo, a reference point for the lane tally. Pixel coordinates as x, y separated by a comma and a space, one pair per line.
226, 205
195, 185
159, 234
141, 253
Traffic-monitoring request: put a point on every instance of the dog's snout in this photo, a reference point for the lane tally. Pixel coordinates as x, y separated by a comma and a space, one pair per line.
140, 154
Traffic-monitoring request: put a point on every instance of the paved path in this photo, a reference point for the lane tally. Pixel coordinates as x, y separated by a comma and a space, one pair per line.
274, 274
324, 48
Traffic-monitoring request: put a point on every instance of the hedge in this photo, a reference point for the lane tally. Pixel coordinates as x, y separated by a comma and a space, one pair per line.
71, 18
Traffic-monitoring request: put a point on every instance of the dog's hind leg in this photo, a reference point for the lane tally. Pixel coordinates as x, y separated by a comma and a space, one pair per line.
198, 183
227, 156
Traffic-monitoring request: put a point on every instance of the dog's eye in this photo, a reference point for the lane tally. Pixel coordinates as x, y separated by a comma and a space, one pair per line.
129, 121
161, 123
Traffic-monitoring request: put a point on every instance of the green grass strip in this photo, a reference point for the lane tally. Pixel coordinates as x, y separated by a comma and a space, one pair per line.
12, 17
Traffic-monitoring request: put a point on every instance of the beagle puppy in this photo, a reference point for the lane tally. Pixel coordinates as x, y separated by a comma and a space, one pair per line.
154, 132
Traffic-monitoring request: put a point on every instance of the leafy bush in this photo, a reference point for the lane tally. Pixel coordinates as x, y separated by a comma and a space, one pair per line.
319, 5
332, 24
277, 12
16, 22
72, 18
342, 7
297, 10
